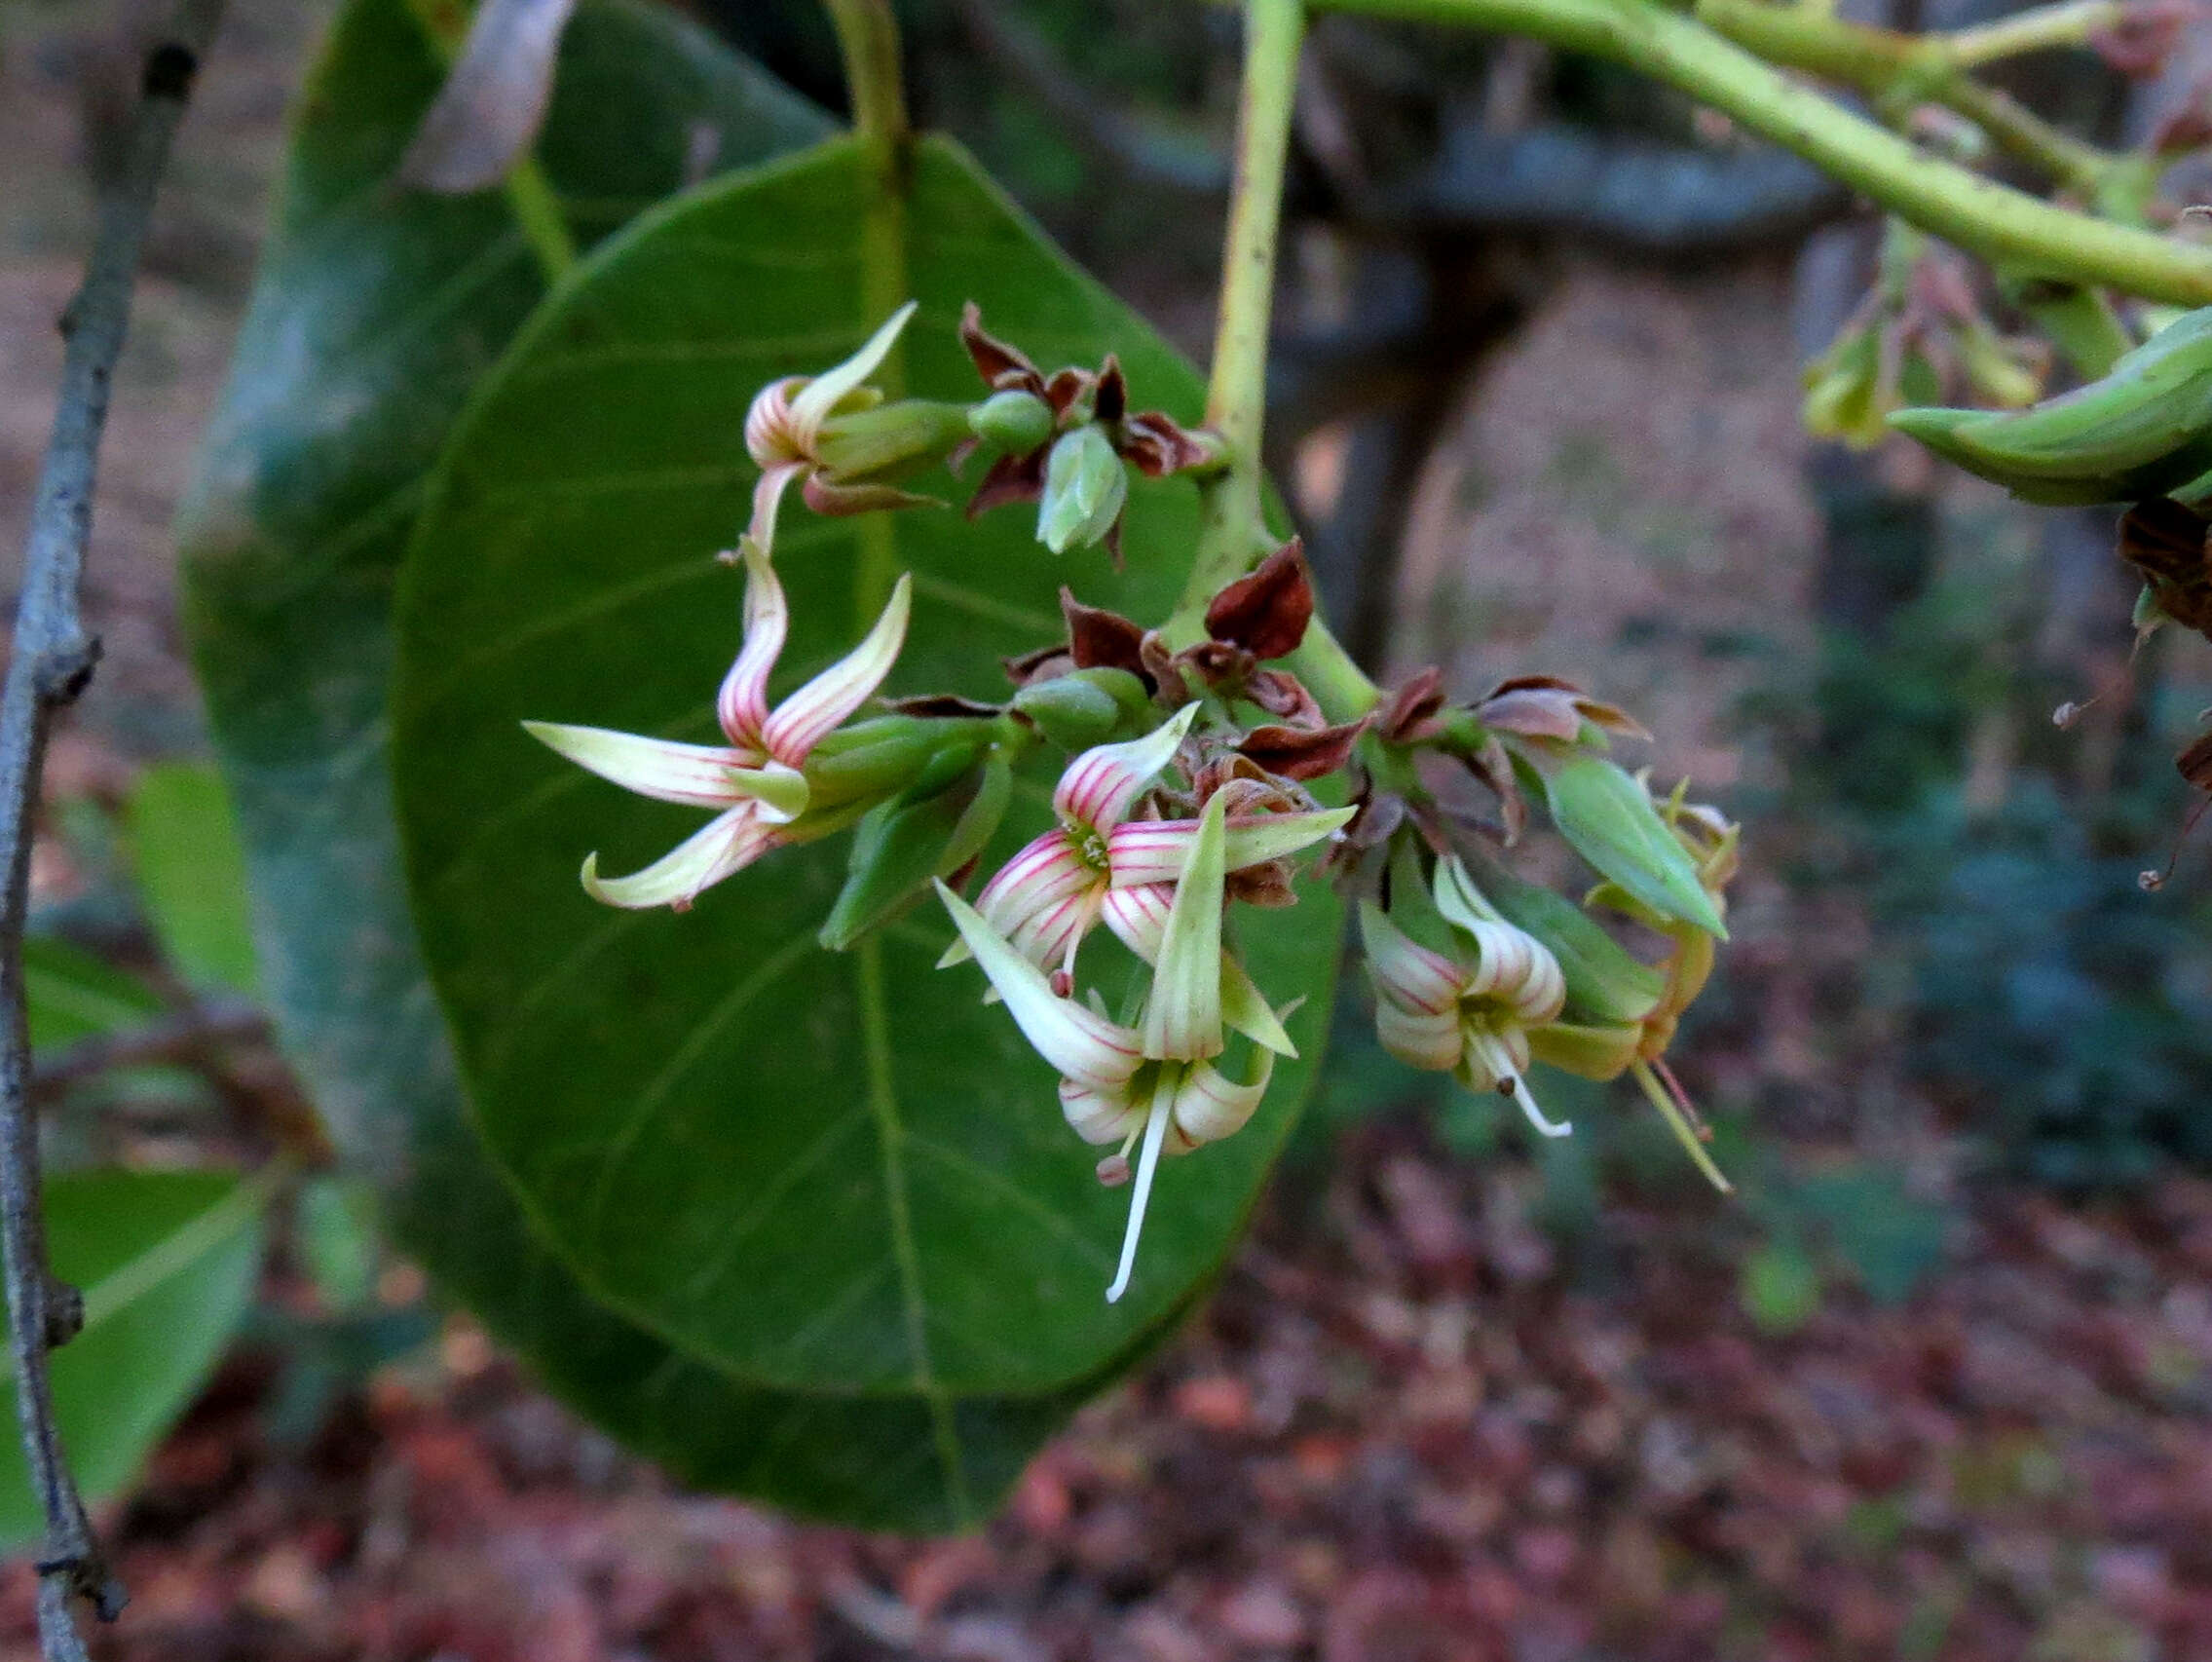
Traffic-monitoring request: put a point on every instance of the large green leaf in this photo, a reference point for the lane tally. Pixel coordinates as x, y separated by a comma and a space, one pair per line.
826, 1172
371, 321
167, 1263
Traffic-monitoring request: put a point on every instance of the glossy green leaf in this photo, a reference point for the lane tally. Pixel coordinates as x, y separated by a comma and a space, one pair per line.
372, 318
167, 1263
191, 872
837, 1172
1606, 816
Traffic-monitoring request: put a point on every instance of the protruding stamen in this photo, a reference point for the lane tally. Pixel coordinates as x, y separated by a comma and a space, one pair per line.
1155, 1133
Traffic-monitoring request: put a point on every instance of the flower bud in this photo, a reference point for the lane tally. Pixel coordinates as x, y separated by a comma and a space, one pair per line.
1013, 421
1084, 489
930, 830
1083, 708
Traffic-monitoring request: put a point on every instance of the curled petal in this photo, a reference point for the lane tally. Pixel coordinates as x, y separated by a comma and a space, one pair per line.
1028, 892
810, 406
803, 720
767, 497
1406, 972
1209, 1105
1513, 964
1099, 785
1081, 1044
698, 775
723, 846
1430, 1040
742, 704
1154, 850
769, 438
1099, 1116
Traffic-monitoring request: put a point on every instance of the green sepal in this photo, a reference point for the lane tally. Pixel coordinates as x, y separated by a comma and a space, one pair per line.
1589, 1050
929, 830
891, 441
1606, 816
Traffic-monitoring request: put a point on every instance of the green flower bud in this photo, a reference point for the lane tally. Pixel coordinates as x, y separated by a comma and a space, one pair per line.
930, 830
1084, 489
1016, 423
890, 441
1083, 708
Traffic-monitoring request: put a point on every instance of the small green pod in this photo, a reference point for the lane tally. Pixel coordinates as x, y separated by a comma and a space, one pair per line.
929, 830
1082, 708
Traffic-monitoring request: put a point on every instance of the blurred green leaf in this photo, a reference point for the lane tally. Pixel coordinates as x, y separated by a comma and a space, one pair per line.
334, 1223
167, 1263
73, 996
1890, 1238
191, 873
1781, 1286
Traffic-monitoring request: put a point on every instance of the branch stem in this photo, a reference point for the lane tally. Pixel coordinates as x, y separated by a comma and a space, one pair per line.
1884, 63
1233, 524
868, 37
2003, 225
2073, 22
52, 661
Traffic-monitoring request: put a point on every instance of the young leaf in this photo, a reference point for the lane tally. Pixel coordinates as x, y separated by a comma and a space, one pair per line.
1606, 816
167, 1263
192, 874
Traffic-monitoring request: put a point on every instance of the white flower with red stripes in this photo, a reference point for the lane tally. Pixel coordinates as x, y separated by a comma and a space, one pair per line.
755, 781
1154, 1083
1466, 1011
1099, 865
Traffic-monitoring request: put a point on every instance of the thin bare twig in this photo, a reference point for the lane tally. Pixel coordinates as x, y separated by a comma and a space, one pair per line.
178, 1038
52, 661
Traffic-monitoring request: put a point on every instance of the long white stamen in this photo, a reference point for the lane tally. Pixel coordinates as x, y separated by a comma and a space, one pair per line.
1155, 1133
1496, 1059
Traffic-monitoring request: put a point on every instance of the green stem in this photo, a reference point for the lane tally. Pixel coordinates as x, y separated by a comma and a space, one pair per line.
1232, 526
2071, 24
537, 210
2000, 224
1916, 67
868, 37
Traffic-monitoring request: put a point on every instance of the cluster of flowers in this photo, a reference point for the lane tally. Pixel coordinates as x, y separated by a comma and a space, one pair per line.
1156, 835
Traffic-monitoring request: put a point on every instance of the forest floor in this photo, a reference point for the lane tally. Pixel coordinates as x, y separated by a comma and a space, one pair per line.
1449, 1403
